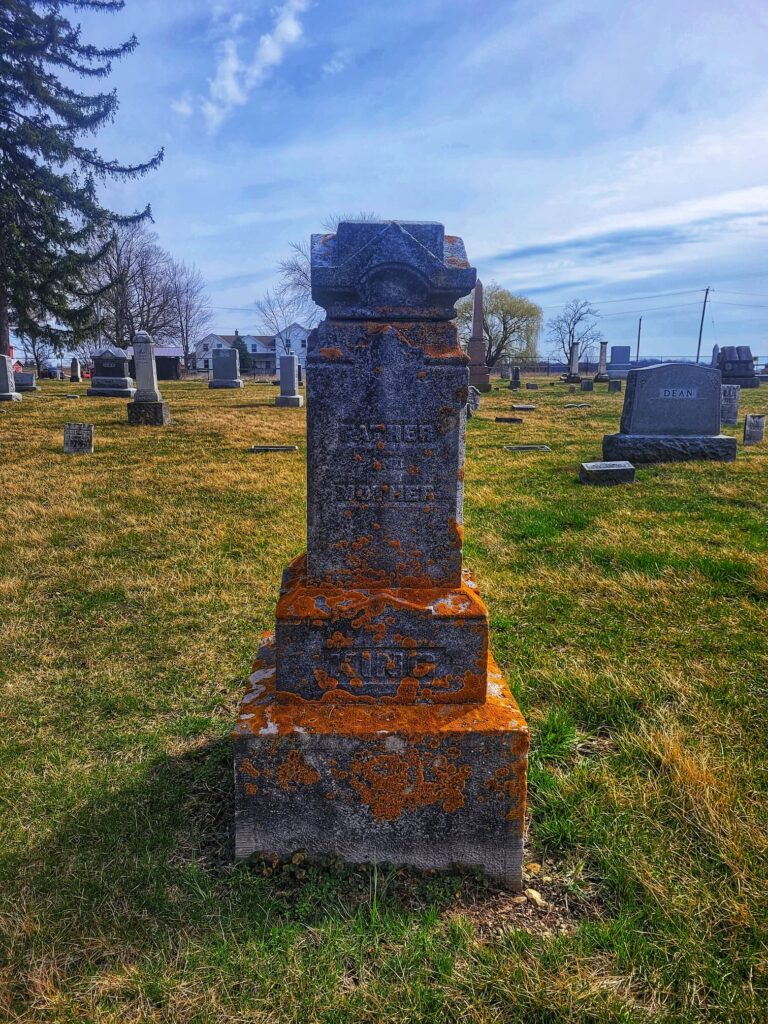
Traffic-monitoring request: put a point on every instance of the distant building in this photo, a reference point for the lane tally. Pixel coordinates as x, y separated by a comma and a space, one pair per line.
264, 349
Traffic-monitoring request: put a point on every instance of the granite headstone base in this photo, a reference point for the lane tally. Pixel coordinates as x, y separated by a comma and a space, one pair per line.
753, 381
428, 787
111, 387
291, 401
646, 448
10, 396
614, 387
149, 414
225, 384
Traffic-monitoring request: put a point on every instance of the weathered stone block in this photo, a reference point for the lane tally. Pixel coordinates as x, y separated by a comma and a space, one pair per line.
654, 448
290, 401
754, 428
149, 414
429, 787
337, 643
607, 473
614, 387
78, 439
729, 403
587, 385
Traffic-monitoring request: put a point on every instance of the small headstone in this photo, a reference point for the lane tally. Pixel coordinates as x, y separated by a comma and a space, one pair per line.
473, 401
78, 438
514, 384
587, 385
148, 408
671, 414
8, 391
75, 371
577, 405
754, 428
111, 374
614, 387
520, 407
25, 381
607, 473
729, 403
527, 448
300, 373
73, 396
226, 368
273, 448
571, 389
289, 382
505, 371
531, 387
509, 419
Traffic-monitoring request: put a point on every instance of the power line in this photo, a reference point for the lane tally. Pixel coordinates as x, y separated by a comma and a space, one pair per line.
653, 309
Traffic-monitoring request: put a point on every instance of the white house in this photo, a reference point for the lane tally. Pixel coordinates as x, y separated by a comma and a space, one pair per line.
262, 348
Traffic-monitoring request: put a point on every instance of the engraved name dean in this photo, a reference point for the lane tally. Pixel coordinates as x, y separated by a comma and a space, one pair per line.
678, 392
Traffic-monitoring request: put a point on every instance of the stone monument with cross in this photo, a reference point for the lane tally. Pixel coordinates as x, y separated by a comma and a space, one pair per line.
376, 725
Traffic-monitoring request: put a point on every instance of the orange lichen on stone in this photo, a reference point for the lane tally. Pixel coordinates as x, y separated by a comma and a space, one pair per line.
392, 783
294, 772
508, 784
331, 353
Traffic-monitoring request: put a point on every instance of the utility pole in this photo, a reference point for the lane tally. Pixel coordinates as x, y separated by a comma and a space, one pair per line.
701, 324
639, 328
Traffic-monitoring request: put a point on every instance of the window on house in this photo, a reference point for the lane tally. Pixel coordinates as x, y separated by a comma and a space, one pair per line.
205, 348
205, 364
303, 342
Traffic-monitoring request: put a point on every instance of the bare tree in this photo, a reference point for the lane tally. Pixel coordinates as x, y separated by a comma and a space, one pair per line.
577, 324
37, 350
277, 310
192, 312
295, 269
132, 280
511, 324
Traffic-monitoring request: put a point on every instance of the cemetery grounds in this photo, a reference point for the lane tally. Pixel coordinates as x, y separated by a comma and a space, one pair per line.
632, 623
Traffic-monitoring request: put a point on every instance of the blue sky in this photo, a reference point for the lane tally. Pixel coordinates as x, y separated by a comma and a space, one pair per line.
611, 151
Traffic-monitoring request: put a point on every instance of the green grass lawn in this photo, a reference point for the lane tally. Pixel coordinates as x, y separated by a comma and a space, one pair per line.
632, 623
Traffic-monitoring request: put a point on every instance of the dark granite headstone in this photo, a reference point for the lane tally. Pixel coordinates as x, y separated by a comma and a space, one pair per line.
754, 428
737, 366
620, 363
614, 387
377, 725
110, 377
75, 372
226, 368
25, 381
587, 385
78, 438
514, 384
671, 414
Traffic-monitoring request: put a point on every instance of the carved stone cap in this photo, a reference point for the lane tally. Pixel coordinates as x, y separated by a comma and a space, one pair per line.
390, 270
142, 338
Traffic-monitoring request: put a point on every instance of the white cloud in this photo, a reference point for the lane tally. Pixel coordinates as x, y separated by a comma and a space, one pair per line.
235, 79
336, 64
182, 106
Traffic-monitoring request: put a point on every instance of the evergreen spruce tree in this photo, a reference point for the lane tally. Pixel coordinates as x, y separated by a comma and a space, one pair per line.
50, 215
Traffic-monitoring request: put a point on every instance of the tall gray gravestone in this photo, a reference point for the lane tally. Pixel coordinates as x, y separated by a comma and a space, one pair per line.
729, 403
602, 364
8, 391
226, 368
75, 371
377, 726
289, 382
479, 375
572, 376
147, 408
110, 377
514, 384
671, 414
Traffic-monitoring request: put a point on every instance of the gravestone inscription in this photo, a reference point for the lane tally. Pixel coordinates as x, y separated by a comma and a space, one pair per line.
78, 438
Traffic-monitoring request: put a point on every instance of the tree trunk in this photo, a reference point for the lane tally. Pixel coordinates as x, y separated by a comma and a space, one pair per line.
5, 328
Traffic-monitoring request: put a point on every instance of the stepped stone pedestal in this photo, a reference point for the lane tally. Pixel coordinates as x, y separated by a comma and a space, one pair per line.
376, 725
147, 408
